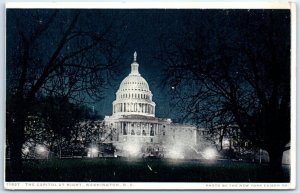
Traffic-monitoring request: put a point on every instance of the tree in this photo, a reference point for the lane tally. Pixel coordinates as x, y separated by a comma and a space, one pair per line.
52, 125
61, 117
62, 53
230, 142
233, 67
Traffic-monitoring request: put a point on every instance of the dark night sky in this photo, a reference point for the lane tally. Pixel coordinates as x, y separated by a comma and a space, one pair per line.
143, 30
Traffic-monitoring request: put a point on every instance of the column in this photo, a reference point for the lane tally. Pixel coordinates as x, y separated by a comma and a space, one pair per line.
121, 126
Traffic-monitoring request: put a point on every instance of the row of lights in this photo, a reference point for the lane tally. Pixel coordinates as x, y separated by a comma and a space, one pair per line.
133, 150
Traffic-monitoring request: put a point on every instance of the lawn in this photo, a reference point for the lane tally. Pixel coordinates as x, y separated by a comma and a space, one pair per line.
145, 170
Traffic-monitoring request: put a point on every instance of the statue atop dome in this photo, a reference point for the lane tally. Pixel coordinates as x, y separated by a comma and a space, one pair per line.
135, 65
134, 56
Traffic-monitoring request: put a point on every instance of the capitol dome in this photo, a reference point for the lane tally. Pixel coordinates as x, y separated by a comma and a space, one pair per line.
134, 96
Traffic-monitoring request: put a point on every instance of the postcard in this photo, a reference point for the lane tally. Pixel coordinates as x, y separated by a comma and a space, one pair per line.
150, 96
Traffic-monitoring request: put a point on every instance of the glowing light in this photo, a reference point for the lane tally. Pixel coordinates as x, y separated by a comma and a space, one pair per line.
26, 150
93, 152
133, 149
226, 142
176, 151
210, 153
41, 149
175, 155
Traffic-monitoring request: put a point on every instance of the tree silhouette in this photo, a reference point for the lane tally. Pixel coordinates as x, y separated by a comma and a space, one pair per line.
61, 53
233, 67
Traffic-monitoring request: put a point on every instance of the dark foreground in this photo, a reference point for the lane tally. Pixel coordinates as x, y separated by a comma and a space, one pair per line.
145, 170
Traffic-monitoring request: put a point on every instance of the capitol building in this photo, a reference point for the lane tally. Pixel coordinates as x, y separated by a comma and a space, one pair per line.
133, 130
136, 129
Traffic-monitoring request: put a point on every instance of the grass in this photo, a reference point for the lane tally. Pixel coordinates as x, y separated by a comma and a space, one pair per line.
144, 170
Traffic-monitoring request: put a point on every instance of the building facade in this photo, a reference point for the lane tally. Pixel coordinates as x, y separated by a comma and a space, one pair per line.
137, 131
